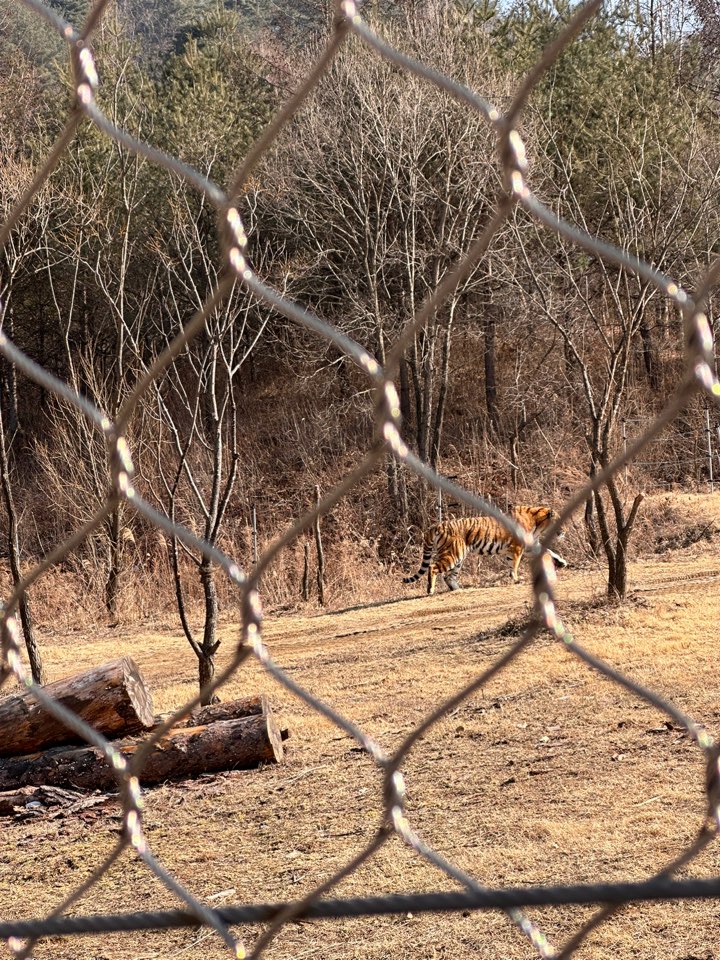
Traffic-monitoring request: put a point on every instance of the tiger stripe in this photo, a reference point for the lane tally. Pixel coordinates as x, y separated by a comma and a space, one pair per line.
450, 542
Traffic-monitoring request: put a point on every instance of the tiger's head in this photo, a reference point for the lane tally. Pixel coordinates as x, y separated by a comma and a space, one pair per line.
539, 519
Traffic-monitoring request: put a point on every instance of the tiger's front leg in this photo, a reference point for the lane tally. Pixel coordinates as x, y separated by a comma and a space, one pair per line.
517, 557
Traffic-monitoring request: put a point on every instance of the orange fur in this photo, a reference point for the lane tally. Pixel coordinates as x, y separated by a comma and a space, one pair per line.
450, 542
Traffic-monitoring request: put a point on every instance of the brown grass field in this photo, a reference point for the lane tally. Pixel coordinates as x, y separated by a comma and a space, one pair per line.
550, 775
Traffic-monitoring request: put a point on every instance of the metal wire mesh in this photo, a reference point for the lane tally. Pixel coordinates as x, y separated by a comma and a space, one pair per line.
699, 378
685, 455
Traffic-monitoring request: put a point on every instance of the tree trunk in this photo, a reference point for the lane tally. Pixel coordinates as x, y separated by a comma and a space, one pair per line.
591, 528
428, 389
649, 354
514, 458
9, 381
413, 365
392, 478
224, 745
617, 585
397, 489
405, 405
442, 394
113, 699
31, 645
589, 518
112, 584
490, 371
320, 554
209, 646
403, 503
206, 672
617, 577
606, 540
305, 585
396, 477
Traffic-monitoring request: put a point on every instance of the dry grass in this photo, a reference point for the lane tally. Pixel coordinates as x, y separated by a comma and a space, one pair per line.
550, 775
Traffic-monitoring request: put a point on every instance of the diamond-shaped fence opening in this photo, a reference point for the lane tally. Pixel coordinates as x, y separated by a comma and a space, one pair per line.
387, 442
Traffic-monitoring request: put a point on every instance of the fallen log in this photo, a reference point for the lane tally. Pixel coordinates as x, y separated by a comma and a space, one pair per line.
112, 698
229, 710
223, 745
11, 800
20, 799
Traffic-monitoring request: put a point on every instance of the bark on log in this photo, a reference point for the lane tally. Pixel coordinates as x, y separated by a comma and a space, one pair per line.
224, 745
113, 699
229, 710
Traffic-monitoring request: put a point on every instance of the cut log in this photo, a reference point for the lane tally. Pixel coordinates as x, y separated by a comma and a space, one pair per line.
230, 710
113, 699
224, 745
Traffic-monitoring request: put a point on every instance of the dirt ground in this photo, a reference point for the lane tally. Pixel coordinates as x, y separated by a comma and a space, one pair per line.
550, 774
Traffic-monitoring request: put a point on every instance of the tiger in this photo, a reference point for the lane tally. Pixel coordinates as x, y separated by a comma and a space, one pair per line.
451, 540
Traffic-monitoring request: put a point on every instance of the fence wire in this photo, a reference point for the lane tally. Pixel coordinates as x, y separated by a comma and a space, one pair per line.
387, 441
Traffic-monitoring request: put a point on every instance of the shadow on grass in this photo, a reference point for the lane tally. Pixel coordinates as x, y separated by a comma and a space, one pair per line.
395, 600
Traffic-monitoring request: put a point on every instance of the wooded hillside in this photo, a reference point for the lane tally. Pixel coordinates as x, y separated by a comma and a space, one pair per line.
527, 380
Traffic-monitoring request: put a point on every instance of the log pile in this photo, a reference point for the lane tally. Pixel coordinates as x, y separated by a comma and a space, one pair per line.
37, 751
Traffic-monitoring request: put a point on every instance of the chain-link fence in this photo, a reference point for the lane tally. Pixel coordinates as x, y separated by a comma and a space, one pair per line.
387, 441
686, 456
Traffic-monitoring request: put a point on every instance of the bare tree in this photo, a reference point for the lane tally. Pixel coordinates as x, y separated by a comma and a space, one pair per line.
31, 644
198, 451
600, 312
16, 92
100, 281
387, 184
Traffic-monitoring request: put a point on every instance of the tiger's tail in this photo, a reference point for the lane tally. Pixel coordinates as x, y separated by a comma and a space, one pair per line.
557, 559
428, 547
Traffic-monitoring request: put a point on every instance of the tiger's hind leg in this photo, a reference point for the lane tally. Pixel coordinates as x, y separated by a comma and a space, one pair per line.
451, 563
451, 577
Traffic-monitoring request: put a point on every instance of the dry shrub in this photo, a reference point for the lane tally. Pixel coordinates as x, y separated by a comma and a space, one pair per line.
366, 551
678, 521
